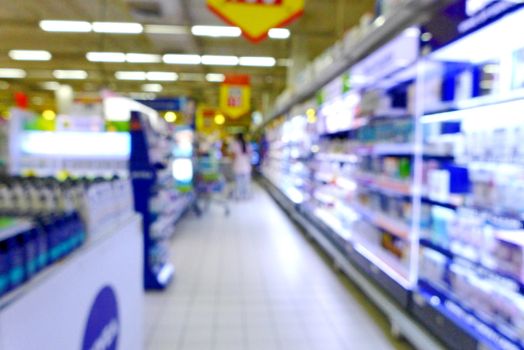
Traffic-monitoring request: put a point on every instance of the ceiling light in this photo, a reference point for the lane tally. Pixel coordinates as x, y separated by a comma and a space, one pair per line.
216, 31
215, 77
214, 60
258, 61
130, 75
143, 58
30, 55
170, 117
49, 115
192, 77
12, 73
50, 85
181, 59
165, 29
66, 26
106, 57
70, 74
379, 21
279, 33
142, 95
426, 37
220, 119
118, 27
152, 87
162, 76
285, 62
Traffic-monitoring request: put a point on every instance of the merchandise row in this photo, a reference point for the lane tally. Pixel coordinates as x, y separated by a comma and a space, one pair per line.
417, 167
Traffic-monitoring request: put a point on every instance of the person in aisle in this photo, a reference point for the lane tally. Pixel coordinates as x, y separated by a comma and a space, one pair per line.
241, 152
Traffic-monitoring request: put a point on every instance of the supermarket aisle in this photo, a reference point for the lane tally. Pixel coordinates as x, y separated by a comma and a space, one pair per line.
251, 281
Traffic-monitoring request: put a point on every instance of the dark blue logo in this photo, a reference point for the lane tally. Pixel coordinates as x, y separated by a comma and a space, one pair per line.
103, 326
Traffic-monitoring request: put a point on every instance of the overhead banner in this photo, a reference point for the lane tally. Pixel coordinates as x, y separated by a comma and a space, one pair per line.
235, 96
257, 17
205, 119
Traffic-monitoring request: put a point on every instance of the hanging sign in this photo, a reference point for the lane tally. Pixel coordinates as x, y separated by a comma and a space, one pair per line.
235, 96
257, 17
205, 119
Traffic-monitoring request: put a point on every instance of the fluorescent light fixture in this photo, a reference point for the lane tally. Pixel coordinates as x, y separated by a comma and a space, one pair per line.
216, 31
50, 85
130, 75
106, 57
279, 33
258, 61
118, 27
165, 29
143, 58
66, 26
162, 76
215, 60
285, 62
192, 77
152, 87
379, 21
30, 55
12, 73
215, 77
70, 74
142, 95
77, 144
181, 59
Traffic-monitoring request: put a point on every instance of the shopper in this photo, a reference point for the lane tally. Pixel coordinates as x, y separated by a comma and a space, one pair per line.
241, 151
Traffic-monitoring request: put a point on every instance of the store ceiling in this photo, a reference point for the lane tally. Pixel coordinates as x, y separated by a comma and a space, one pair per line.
324, 21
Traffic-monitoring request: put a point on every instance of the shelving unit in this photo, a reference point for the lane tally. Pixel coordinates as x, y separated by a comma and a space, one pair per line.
430, 213
156, 197
410, 13
64, 295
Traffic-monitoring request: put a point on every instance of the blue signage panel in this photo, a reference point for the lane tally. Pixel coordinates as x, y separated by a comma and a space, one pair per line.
166, 104
464, 17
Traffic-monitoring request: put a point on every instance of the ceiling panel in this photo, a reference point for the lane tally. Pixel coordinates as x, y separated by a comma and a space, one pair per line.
322, 24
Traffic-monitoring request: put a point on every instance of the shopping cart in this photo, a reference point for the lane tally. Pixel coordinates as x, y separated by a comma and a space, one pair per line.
211, 185
226, 169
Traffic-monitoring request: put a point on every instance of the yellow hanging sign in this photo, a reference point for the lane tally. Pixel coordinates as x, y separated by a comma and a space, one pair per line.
257, 17
205, 119
235, 96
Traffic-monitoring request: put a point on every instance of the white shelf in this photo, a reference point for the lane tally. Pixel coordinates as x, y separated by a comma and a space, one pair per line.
385, 262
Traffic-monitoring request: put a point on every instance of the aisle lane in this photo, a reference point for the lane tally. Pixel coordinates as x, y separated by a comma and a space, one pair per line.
251, 281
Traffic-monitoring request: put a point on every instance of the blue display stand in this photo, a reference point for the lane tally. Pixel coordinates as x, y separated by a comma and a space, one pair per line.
158, 273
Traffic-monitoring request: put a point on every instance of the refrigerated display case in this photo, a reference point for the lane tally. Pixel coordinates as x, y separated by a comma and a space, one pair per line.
417, 175
471, 269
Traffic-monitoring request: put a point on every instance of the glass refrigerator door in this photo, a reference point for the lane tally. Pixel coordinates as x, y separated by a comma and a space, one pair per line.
472, 257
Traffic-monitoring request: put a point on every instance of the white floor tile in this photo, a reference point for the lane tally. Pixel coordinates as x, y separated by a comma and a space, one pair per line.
251, 281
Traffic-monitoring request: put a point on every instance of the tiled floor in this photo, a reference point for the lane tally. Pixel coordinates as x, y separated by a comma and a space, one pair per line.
251, 281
